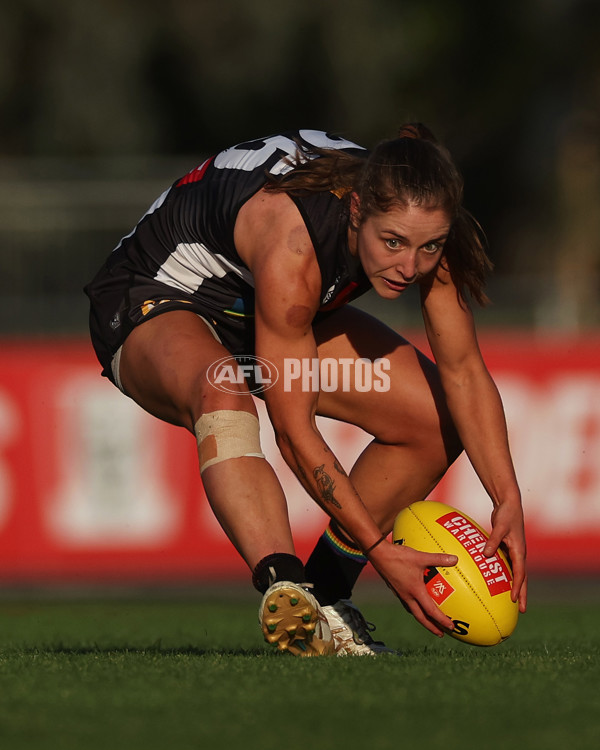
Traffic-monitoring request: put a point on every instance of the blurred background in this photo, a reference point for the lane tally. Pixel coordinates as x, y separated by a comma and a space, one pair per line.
106, 102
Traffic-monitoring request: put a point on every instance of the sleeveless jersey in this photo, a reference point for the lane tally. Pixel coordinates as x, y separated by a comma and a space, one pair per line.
183, 248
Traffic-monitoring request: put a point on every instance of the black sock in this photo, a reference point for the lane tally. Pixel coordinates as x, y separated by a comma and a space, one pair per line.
334, 566
279, 566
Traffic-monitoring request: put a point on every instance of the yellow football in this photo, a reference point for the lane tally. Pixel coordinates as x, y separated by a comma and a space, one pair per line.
475, 593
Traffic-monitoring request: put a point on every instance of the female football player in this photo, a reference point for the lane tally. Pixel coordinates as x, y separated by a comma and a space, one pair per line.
256, 252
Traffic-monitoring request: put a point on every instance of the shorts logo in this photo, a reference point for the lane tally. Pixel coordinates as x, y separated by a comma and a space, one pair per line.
151, 304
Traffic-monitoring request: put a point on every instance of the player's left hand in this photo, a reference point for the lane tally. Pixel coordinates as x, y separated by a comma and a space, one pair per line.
508, 529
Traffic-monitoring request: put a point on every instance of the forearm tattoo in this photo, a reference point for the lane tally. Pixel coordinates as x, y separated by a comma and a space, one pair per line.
326, 485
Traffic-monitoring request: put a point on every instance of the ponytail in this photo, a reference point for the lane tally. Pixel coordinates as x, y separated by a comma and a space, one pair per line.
465, 252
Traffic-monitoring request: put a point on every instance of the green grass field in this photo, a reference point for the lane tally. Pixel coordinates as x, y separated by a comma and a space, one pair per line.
176, 672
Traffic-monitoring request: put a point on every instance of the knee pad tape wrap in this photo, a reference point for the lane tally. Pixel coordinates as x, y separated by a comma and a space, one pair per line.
226, 434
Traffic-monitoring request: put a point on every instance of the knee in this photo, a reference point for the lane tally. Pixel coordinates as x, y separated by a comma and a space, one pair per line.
226, 434
224, 419
208, 392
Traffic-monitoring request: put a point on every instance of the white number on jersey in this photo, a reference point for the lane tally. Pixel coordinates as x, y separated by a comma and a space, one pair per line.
249, 159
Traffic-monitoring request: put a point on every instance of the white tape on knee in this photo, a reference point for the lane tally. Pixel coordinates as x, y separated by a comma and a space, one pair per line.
226, 434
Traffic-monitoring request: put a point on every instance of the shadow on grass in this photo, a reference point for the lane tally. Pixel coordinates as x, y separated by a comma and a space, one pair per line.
157, 649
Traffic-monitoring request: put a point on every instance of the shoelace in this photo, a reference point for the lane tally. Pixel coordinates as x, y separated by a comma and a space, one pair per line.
360, 627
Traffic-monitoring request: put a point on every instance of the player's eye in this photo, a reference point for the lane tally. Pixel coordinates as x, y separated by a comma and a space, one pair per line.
433, 247
393, 243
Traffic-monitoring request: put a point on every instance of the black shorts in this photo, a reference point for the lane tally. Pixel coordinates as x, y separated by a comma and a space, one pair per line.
120, 302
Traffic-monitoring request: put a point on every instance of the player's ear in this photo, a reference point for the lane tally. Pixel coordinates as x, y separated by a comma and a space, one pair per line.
355, 212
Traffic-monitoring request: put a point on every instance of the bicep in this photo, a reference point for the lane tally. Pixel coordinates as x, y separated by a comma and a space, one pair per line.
274, 242
287, 291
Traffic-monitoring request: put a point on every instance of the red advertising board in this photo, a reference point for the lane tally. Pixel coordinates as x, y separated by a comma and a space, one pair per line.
93, 489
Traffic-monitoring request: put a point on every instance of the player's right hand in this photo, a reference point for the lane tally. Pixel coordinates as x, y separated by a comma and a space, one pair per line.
403, 568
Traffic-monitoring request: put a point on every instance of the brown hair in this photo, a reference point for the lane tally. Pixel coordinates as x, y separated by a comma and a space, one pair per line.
411, 169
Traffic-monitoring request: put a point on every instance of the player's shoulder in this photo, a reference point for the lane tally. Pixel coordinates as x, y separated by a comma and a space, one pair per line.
271, 219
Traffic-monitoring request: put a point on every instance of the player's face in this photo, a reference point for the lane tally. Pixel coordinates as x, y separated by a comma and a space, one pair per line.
399, 247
